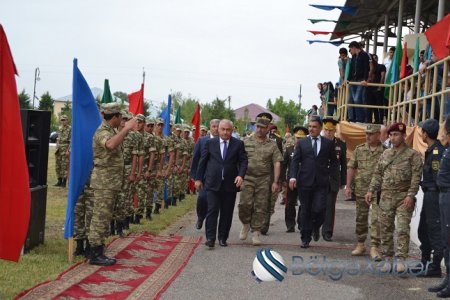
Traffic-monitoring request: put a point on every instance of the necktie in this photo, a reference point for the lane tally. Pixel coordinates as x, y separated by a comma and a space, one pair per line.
224, 154
315, 146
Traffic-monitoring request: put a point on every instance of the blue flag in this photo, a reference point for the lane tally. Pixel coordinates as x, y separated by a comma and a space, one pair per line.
85, 121
165, 115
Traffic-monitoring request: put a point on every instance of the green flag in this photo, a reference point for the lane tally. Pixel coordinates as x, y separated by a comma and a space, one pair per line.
416, 56
394, 68
107, 97
327, 95
347, 68
178, 116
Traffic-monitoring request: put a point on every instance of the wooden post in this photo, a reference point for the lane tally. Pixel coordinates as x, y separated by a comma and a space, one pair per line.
70, 250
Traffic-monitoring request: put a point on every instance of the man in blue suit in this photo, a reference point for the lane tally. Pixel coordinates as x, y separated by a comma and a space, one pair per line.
220, 172
202, 204
314, 159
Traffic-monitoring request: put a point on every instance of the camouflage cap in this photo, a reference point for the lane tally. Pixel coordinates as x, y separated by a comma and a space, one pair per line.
178, 127
63, 117
159, 121
400, 127
125, 114
111, 108
373, 128
149, 121
140, 117
204, 128
186, 128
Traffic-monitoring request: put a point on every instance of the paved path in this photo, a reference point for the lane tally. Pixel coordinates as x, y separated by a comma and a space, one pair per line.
224, 272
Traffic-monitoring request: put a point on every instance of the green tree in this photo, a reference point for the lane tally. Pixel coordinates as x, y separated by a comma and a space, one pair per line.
24, 100
217, 109
46, 102
290, 112
122, 96
67, 110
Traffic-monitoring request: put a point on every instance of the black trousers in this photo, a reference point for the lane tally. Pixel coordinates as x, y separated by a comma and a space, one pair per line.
222, 203
429, 231
444, 205
328, 225
202, 205
289, 209
312, 215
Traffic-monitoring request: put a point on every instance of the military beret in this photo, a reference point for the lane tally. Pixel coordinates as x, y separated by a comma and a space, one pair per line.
140, 117
111, 108
373, 128
430, 126
329, 124
300, 132
400, 127
63, 117
159, 121
272, 126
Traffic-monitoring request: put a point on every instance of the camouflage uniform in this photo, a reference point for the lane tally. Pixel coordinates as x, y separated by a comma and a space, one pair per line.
176, 182
106, 182
254, 204
142, 187
397, 175
364, 162
189, 149
83, 213
168, 183
157, 184
63, 144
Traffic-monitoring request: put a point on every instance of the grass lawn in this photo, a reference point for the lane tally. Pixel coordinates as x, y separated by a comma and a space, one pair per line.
46, 261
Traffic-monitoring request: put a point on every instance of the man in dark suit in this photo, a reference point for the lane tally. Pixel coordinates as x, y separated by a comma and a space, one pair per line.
313, 158
221, 170
202, 203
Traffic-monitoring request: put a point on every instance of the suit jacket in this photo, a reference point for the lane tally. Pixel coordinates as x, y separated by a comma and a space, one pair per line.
212, 165
339, 176
313, 171
197, 154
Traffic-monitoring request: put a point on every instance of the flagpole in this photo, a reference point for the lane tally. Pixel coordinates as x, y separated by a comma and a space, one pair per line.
70, 250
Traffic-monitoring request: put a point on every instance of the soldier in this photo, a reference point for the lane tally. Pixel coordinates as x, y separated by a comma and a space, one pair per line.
443, 182
337, 179
62, 151
82, 220
429, 231
189, 150
397, 175
264, 158
158, 170
149, 125
300, 132
106, 179
176, 184
360, 169
203, 131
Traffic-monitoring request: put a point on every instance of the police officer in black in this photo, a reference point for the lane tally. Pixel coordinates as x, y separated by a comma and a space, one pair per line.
443, 182
292, 195
429, 231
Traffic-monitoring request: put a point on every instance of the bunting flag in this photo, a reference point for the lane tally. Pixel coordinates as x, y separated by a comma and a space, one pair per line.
196, 122
351, 10
342, 23
416, 56
14, 181
178, 116
404, 61
337, 33
107, 96
85, 121
334, 43
165, 115
136, 101
395, 65
438, 36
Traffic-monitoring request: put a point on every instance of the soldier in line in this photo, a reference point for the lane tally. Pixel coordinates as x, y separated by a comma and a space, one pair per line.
300, 132
62, 151
360, 169
397, 175
159, 165
189, 150
149, 125
338, 178
150, 172
82, 220
175, 183
443, 182
264, 158
203, 130
429, 231
106, 179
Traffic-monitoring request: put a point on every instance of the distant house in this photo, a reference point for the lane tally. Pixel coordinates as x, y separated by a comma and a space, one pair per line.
251, 111
59, 103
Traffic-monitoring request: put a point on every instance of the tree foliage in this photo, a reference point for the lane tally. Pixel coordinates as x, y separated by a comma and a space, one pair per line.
46, 102
216, 110
24, 100
290, 112
122, 96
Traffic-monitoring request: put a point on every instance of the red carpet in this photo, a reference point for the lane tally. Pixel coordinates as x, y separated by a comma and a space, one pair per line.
146, 266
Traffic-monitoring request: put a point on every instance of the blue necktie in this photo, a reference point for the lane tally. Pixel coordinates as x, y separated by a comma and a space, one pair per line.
224, 155
315, 147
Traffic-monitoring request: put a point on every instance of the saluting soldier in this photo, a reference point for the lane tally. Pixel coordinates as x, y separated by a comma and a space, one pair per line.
397, 175
264, 159
360, 170
338, 178
106, 179
62, 151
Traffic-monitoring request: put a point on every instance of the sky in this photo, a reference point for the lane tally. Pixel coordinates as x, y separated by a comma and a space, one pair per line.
251, 50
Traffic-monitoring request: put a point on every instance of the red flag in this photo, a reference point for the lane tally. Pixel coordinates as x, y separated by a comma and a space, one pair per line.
136, 101
196, 122
404, 62
14, 181
438, 36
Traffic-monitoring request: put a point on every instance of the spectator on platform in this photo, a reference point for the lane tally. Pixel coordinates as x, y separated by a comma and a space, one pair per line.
342, 64
375, 94
388, 60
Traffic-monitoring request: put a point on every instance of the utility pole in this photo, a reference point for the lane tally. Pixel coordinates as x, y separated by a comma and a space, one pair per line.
143, 75
229, 102
300, 100
37, 72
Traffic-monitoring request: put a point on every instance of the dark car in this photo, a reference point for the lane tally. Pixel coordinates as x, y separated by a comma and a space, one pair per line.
53, 137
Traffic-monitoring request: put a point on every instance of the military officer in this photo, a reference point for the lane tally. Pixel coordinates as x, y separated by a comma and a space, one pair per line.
337, 179
106, 178
62, 151
397, 175
360, 169
264, 158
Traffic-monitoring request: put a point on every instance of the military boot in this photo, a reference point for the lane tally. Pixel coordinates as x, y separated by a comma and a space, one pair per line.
87, 250
59, 182
157, 207
79, 251
440, 286
148, 214
374, 254
445, 292
63, 182
166, 203
432, 269
98, 258
256, 241
119, 229
112, 227
359, 250
126, 223
174, 201
137, 219
244, 232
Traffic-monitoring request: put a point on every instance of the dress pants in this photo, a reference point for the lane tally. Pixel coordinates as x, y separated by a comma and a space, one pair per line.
429, 230
328, 225
312, 215
219, 202
202, 205
444, 205
289, 210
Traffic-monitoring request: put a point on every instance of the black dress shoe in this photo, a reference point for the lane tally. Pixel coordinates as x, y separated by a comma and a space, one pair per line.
291, 230
327, 237
198, 225
304, 245
315, 234
223, 243
210, 243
